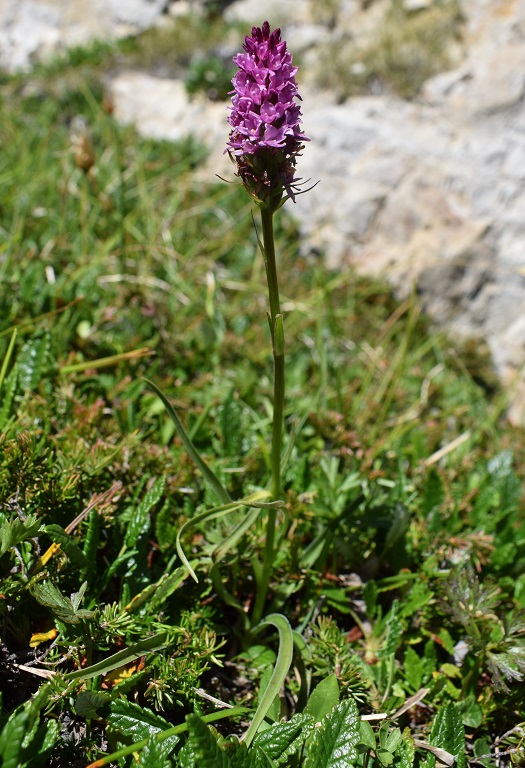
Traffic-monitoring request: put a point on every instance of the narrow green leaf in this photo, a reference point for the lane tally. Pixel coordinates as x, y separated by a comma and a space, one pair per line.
208, 474
8, 396
334, 743
282, 665
119, 659
91, 544
7, 358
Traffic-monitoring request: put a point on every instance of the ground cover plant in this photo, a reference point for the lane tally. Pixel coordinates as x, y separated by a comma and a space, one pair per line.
390, 630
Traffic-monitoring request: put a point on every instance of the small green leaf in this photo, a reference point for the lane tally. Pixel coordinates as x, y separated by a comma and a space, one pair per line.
406, 750
323, 698
155, 755
13, 532
366, 735
334, 743
46, 593
284, 739
88, 702
208, 753
414, 668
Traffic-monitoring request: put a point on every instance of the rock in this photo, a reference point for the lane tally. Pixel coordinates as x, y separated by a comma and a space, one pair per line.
279, 13
161, 108
31, 29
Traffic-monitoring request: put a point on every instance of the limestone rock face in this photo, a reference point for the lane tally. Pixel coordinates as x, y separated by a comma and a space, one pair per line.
34, 28
428, 193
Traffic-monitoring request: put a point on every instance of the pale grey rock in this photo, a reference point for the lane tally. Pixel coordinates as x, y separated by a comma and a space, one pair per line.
137, 13
160, 108
34, 29
279, 12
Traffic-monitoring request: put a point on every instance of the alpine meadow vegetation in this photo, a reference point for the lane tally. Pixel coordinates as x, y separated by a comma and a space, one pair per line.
253, 512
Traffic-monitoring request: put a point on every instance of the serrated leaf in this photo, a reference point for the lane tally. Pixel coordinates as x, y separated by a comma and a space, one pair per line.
413, 668
13, 532
46, 593
334, 743
241, 757
140, 521
448, 733
155, 755
394, 630
186, 756
324, 698
138, 722
284, 739
207, 751
88, 702
406, 750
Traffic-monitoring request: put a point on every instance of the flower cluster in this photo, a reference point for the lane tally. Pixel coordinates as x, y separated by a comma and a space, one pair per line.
266, 134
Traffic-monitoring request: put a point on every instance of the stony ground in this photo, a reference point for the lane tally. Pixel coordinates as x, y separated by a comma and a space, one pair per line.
428, 190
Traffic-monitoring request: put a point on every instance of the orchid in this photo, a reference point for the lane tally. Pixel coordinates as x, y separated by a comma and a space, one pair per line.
265, 140
266, 135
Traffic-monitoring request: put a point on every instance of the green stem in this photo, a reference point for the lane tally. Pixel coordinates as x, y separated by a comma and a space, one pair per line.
276, 329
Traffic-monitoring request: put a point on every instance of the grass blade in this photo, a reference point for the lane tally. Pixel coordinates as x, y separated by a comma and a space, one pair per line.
208, 474
119, 659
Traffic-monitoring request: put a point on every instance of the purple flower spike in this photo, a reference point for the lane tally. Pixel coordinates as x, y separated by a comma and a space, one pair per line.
266, 122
